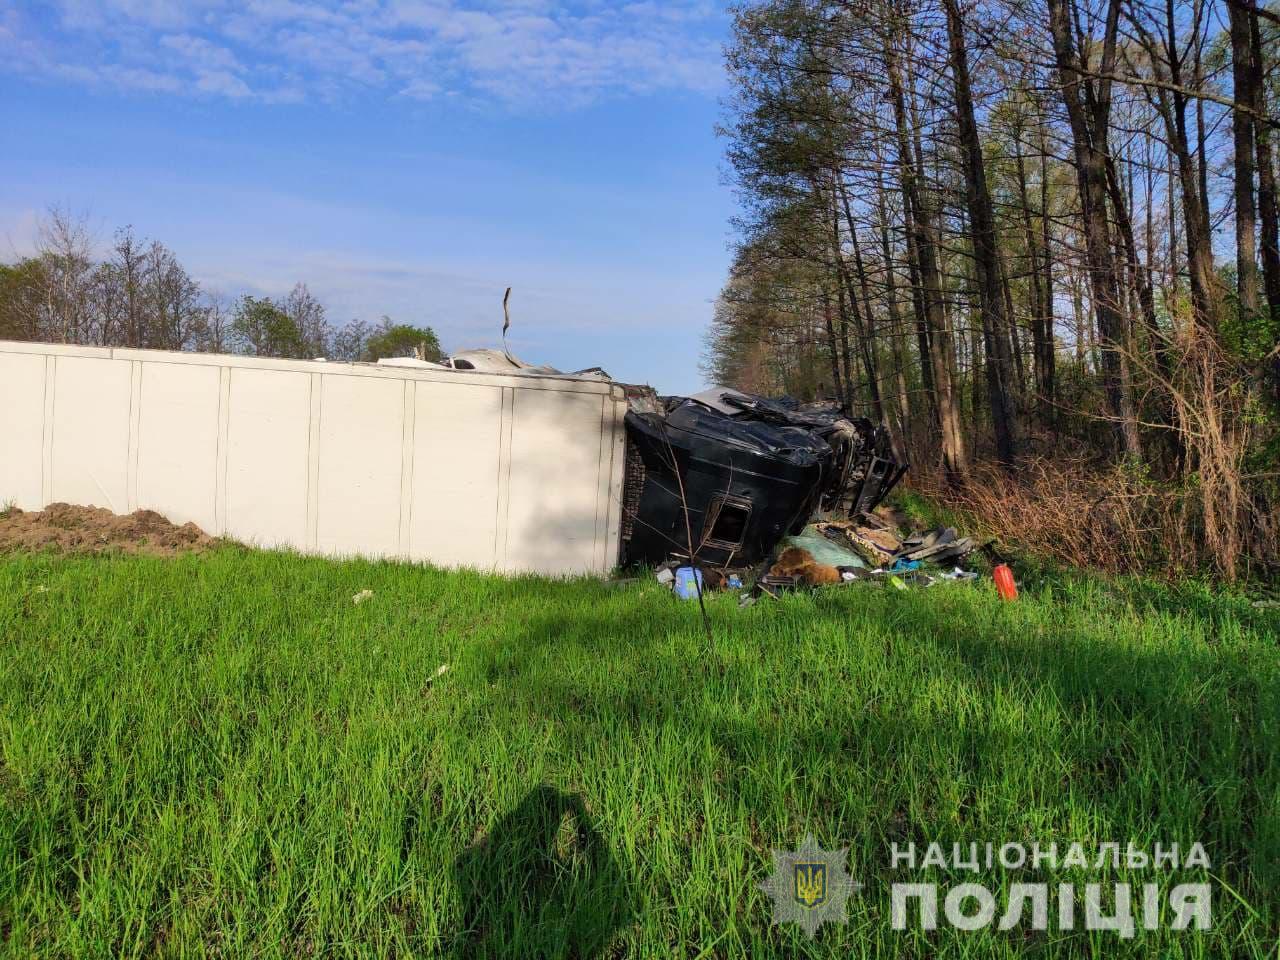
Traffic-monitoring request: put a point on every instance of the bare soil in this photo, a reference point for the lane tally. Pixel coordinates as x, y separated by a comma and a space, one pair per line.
70, 529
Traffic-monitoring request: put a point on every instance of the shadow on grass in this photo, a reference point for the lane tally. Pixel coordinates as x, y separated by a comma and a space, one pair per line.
543, 883
1138, 732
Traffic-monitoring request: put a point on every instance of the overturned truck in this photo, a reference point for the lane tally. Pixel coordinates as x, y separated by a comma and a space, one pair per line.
480, 461
725, 475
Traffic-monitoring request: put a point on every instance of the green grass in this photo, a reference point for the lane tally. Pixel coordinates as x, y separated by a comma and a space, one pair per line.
923, 512
223, 755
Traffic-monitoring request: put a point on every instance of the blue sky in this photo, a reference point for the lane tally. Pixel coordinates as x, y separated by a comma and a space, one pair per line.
401, 158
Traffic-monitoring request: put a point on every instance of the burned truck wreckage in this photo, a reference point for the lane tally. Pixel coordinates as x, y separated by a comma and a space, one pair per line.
734, 473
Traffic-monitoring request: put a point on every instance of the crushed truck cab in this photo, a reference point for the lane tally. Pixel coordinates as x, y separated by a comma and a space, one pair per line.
749, 469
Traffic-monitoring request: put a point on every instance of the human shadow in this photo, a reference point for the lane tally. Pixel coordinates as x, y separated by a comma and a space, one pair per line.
541, 883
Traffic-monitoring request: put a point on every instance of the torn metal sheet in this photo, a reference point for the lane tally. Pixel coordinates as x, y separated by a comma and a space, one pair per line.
496, 361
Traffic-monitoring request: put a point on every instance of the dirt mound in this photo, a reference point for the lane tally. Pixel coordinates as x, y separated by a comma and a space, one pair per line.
63, 527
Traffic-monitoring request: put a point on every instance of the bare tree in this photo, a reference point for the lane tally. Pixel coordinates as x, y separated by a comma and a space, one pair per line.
307, 314
65, 250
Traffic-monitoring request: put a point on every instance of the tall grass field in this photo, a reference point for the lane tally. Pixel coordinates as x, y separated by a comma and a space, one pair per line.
224, 755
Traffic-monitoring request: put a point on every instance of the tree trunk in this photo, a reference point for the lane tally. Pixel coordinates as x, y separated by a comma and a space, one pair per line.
1040, 330
986, 255
895, 317
917, 305
861, 328
1266, 168
954, 458
1242, 76
1046, 311
1138, 277
831, 342
847, 398
1089, 129
873, 366
1171, 104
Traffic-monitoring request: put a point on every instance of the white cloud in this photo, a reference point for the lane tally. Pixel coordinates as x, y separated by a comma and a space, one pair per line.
421, 88
525, 51
223, 83
140, 78
201, 53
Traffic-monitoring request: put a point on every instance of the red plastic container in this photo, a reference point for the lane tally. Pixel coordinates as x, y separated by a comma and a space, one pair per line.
1005, 586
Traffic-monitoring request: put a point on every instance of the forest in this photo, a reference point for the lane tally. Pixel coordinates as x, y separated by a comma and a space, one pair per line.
1035, 240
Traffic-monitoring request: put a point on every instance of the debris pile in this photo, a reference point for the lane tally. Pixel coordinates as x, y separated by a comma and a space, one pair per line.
833, 551
878, 544
871, 548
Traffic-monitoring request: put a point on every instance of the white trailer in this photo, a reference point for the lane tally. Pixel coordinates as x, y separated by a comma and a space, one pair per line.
512, 472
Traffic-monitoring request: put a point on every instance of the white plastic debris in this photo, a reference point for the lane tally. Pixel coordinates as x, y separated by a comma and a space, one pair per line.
440, 672
361, 597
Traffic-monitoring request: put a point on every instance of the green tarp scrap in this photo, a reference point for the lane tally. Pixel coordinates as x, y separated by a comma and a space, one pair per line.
823, 550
